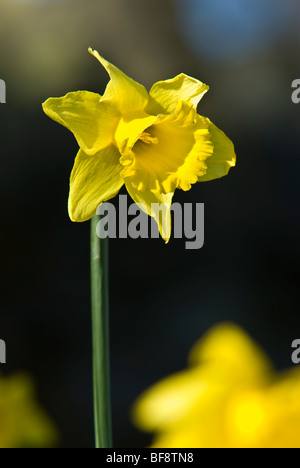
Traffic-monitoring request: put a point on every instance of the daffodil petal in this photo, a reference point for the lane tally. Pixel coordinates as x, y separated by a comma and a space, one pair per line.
94, 179
92, 121
165, 95
130, 127
157, 205
229, 346
223, 158
128, 95
168, 401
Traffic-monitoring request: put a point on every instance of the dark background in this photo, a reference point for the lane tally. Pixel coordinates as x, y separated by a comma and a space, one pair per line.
162, 297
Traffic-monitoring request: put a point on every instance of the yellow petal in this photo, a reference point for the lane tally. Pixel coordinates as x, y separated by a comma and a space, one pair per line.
171, 153
223, 158
248, 423
128, 95
157, 205
92, 121
94, 179
230, 348
167, 402
23, 421
130, 127
165, 95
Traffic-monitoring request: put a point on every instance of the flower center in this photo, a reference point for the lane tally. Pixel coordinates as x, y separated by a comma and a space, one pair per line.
170, 153
147, 138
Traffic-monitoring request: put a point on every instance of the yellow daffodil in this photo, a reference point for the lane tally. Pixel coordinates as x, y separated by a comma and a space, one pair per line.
230, 397
152, 142
23, 424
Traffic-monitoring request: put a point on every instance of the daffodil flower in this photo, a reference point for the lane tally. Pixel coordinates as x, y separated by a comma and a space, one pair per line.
152, 142
23, 423
230, 397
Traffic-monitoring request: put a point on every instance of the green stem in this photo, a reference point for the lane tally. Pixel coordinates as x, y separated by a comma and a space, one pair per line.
100, 333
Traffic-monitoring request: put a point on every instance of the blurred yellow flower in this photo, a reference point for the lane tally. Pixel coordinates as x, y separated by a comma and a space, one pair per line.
229, 398
152, 142
23, 424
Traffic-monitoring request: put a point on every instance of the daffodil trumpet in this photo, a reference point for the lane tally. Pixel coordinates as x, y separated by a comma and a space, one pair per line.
153, 143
